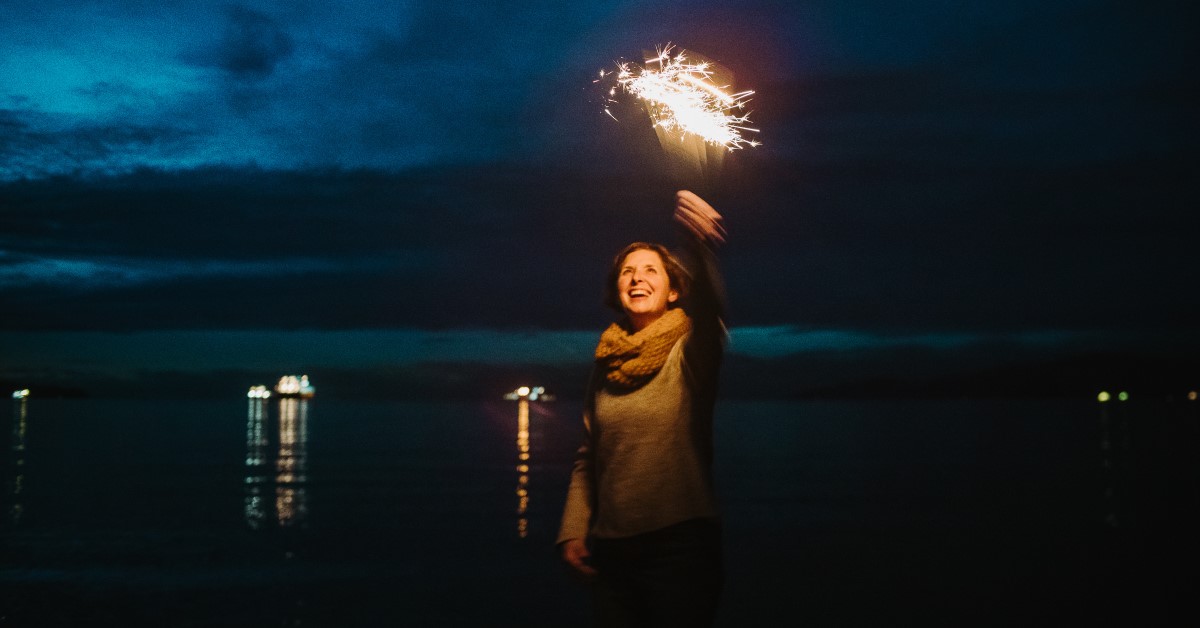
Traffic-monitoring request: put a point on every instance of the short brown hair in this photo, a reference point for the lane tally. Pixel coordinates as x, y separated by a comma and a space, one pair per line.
677, 275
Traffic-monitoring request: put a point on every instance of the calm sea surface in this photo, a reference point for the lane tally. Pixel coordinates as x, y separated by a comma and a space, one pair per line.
347, 513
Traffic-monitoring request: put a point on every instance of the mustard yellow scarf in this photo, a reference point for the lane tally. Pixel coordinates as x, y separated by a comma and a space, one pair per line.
631, 360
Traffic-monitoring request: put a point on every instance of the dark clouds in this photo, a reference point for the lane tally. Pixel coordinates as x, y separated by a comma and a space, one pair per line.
37, 143
320, 248
352, 84
505, 247
928, 167
251, 45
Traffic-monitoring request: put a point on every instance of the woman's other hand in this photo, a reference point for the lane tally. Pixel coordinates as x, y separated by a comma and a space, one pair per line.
698, 217
575, 553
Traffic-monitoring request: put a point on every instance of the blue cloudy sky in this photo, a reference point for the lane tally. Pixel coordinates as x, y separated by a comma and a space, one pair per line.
209, 184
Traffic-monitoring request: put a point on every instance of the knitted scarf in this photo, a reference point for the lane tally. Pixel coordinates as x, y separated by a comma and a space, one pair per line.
631, 360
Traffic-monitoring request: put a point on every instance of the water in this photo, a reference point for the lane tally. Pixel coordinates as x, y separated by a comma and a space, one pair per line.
346, 513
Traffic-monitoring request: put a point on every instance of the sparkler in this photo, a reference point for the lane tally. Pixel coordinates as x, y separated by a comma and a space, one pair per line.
683, 98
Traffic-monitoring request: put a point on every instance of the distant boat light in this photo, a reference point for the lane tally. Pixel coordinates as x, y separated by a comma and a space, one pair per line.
1103, 397
293, 386
532, 393
20, 394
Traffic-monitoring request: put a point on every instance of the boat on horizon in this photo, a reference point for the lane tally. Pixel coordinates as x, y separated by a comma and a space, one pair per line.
291, 386
531, 393
258, 392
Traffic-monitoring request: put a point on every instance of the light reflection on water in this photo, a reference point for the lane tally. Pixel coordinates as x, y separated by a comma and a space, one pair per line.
283, 476
108, 494
1115, 461
17, 482
522, 467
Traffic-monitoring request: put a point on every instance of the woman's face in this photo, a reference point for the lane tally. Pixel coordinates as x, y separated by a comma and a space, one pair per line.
644, 287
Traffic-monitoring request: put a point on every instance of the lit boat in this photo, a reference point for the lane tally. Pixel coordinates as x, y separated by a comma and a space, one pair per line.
532, 393
292, 386
258, 392
21, 394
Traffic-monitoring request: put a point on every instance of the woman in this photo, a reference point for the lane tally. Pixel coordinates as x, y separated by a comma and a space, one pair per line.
640, 523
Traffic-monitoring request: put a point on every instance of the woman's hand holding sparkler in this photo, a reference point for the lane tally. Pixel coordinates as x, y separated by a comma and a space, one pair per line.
699, 218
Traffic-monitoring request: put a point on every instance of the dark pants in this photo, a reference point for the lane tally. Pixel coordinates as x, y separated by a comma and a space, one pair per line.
668, 577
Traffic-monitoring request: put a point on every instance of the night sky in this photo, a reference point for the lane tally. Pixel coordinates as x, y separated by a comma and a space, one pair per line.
269, 186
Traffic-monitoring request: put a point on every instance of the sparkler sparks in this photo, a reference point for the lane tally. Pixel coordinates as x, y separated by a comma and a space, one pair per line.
682, 97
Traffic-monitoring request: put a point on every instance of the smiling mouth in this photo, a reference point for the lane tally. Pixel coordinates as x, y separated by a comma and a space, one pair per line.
639, 293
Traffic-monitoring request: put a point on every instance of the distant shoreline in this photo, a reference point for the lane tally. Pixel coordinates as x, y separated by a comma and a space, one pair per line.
1080, 376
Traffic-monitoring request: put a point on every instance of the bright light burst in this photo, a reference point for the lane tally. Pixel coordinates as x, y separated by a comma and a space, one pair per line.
681, 97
